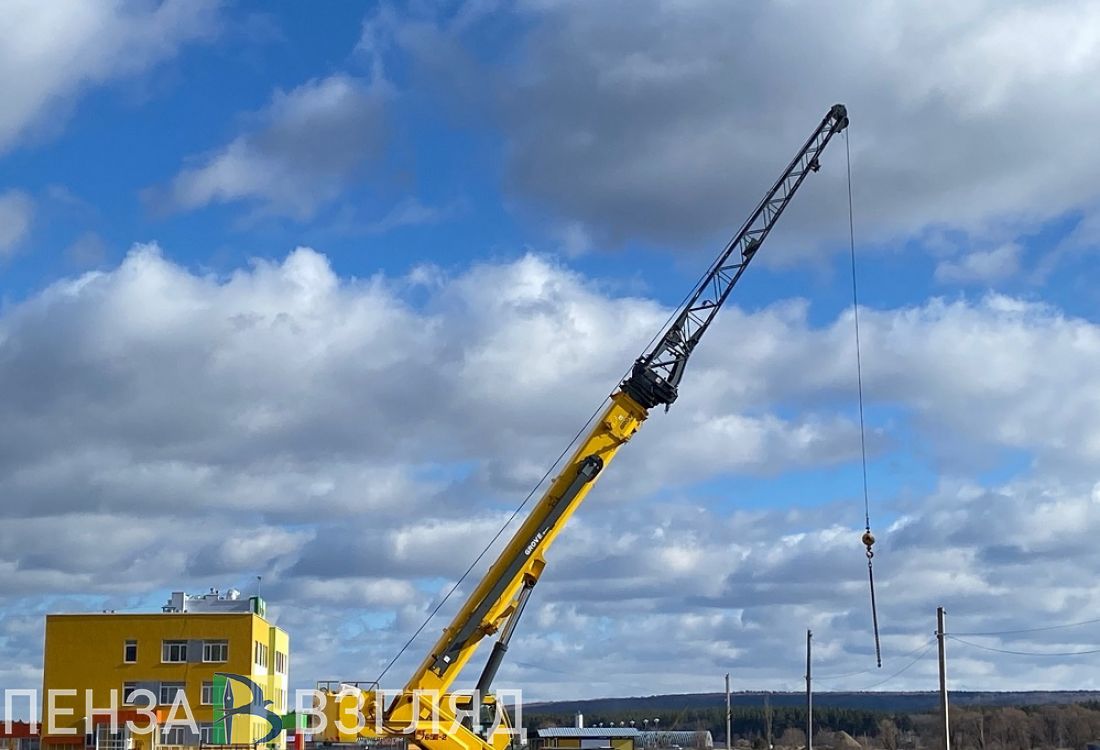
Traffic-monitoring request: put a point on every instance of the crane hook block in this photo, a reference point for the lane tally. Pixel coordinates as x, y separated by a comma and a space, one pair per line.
868, 541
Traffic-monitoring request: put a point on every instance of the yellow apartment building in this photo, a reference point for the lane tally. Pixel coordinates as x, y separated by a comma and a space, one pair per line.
110, 659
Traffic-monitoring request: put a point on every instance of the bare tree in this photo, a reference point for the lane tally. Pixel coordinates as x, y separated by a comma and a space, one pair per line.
888, 734
926, 727
1010, 729
1080, 726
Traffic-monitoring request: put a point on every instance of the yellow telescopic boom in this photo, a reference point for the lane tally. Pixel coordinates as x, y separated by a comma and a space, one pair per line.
419, 712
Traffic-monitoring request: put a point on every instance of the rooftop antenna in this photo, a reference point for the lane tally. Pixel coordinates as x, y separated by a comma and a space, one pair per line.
258, 580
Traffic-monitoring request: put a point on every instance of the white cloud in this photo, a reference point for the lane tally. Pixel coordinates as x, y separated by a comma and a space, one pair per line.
308, 144
981, 267
665, 121
16, 215
50, 53
977, 375
358, 450
411, 212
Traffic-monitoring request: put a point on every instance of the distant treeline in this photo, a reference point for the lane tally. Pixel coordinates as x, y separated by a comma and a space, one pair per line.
981, 727
893, 702
747, 722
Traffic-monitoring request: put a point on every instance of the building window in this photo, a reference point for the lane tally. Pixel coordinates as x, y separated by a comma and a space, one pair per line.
168, 692
215, 650
129, 652
280, 662
173, 651
206, 734
105, 739
128, 690
207, 697
175, 735
260, 654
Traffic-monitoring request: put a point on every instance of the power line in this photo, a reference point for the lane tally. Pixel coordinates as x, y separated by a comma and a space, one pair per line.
919, 651
1025, 653
1032, 630
917, 658
834, 677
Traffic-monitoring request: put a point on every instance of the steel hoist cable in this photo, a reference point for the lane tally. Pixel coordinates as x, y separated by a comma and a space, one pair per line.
868, 538
519, 509
654, 377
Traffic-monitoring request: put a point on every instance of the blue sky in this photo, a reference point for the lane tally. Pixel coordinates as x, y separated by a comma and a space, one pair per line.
114, 143
335, 283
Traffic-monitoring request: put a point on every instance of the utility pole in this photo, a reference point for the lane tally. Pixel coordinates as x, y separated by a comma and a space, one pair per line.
768, 720
809, 693
941, 636
729, 715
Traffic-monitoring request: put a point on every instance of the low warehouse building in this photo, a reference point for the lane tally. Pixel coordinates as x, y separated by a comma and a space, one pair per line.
586, 738
700, 739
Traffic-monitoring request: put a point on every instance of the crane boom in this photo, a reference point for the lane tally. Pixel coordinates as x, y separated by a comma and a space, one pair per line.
499, 597
655, 378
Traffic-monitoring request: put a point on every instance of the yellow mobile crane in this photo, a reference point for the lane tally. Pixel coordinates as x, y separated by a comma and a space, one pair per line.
419, 712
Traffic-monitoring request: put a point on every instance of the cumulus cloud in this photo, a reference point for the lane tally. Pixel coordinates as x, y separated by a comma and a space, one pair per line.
663, 121
981, 267
745, 587
50, 53
307, 145
357, 450
16, 214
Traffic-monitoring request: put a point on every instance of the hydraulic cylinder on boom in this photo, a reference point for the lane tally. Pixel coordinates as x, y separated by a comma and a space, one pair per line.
495, 605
